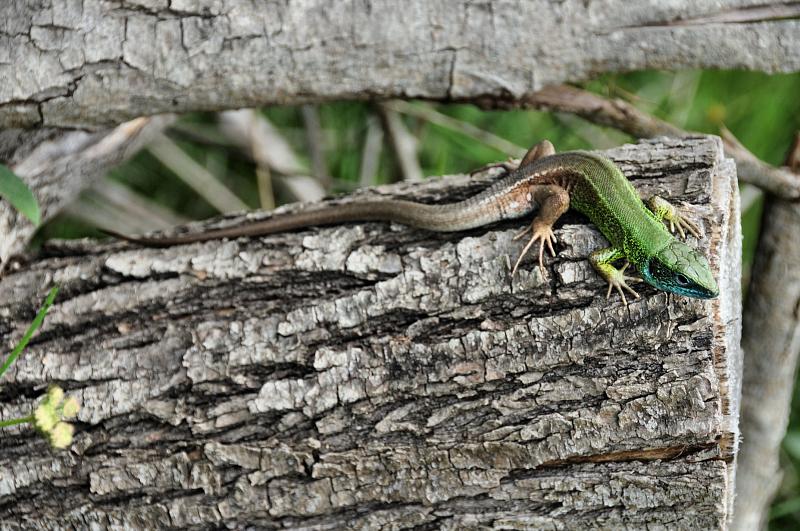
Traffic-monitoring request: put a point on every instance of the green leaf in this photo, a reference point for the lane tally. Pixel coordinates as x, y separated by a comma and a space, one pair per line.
37, 322
791, 443
786, 507
19, 195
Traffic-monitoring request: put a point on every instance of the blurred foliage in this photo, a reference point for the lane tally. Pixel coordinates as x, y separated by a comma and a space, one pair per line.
762, 111
16, 192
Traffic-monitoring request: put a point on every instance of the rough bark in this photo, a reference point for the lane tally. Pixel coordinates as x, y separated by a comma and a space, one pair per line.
375, 376
95, 63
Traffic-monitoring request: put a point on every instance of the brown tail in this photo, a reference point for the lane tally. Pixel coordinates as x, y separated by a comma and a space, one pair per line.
440, 218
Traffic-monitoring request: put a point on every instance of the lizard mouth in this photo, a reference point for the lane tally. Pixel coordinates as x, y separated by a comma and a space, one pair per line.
681, 270
702, 293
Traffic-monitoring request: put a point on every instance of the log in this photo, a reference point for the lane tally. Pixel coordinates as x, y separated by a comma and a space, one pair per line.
94, 64
371, 376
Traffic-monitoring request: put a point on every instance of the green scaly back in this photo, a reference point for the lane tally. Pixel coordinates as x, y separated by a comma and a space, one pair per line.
611, 202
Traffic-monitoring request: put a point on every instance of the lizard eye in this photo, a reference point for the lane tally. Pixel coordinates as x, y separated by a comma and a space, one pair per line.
681, 280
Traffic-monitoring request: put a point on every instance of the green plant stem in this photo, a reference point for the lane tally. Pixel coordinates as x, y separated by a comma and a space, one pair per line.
37, 322
14, 422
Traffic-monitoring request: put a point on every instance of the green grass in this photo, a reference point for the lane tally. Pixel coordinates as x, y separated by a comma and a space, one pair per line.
26, 337
16, 192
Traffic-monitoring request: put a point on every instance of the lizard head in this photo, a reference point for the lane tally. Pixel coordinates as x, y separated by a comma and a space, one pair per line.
680, 269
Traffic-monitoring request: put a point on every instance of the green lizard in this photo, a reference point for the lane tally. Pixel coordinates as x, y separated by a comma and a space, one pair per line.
546, 183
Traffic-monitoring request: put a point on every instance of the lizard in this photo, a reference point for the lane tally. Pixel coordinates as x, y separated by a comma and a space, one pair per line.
547, 183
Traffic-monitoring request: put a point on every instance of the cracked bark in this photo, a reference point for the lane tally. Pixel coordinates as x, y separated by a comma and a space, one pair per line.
375, 376
95, 63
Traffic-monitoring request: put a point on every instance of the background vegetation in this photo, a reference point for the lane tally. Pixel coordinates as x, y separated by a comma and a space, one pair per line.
330, 141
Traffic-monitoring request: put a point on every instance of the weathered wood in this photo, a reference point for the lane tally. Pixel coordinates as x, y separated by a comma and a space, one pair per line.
95, 63
375, 376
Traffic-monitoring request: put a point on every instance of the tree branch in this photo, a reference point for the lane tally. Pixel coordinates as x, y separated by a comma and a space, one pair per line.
625, 117
771, 339
58, 165
101, 63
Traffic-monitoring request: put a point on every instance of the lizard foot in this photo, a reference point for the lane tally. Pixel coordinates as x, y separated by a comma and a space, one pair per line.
617, 279
508, 165
545, 235
675, 220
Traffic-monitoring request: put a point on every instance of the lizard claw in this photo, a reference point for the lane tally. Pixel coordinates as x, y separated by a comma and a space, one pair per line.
545, 236
521, 233
675, 220
619, 281
682, 223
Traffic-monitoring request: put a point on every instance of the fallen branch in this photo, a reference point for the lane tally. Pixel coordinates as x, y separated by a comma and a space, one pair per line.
101, 63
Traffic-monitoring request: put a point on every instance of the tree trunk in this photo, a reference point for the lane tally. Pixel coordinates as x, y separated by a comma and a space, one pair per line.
95, 63
375, 376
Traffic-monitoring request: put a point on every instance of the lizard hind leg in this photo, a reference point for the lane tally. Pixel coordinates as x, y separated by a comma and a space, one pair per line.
543, 149
553, 201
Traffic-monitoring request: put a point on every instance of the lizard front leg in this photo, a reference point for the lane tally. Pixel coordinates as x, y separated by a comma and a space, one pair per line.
665, 211
553, 201
602, 261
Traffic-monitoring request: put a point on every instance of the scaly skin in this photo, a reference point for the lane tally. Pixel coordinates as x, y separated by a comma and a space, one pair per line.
548, 183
